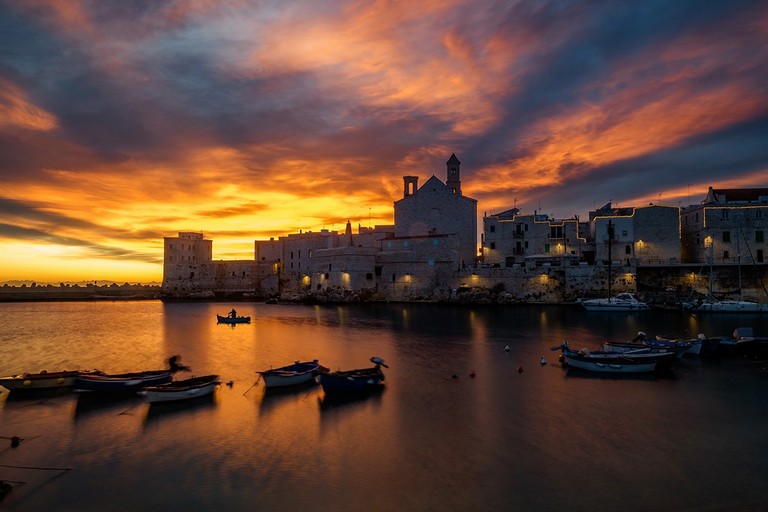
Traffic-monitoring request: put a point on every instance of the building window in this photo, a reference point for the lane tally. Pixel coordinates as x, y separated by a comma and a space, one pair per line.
435, 242
759, 236
493, 228
526, 244
378, 269
725, 214
758, 214
726, 255
369, 276
546, 248
627, 249
291, 254
759, 255
726, 237
493, 245
556, 232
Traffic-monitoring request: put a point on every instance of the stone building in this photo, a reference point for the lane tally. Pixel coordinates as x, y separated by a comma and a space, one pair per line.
728, 227
438, 208
509, 238
189, 269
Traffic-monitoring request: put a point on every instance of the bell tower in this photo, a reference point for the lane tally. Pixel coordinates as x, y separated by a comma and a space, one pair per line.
454, 174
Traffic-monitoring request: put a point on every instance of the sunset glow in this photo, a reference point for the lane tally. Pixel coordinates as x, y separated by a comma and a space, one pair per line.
124, 122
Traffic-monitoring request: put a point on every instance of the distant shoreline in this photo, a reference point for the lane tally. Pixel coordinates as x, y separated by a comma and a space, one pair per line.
78, 293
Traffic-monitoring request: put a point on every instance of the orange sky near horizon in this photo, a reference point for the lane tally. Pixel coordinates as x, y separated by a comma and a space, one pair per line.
121, 124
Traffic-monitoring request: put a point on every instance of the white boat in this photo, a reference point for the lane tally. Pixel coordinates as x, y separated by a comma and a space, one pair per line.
619, 302
637, 361
731, 306
293, 374
182, 389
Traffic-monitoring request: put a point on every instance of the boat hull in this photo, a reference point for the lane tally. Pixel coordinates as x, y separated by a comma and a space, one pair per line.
611, 367
43, 380
230, 320
361, 380
182, 389
291, 375
122, 382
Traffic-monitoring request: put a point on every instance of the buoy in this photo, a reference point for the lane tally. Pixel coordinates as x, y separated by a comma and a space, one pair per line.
454, 376
27, 382
542, 361
472, 374
519, 369
15, 441
506, 348
561, 358
231, 383
60, 380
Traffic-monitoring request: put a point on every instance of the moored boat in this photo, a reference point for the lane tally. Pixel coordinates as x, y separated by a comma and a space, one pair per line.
128, 381
44, 379
639, 343
292, 374
359, 380
642, 360
619, 302
183, 389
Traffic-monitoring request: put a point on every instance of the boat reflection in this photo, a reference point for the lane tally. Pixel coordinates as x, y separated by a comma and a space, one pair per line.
160, 411
274, 398
21, 395
93, 404
332, 401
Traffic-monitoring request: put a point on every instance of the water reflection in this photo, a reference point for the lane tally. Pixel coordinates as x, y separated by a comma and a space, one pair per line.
91, 404
158, 412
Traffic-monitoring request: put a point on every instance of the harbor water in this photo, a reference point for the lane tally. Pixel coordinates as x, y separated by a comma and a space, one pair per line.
463, 424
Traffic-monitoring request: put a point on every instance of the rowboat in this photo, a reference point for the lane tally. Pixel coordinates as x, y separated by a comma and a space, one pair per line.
293, 374
233, 320
182, 389
44, 379
640, 343
642, 360
359, 380
128, 381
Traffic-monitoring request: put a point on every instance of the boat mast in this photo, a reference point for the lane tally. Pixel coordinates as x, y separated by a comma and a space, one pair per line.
610, 262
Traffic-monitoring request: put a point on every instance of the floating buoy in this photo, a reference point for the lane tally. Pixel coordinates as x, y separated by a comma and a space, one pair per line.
561, 358
15, 441
454, 376
543, 361
472, 374
27, 382
506, 348
231, 383
519, 369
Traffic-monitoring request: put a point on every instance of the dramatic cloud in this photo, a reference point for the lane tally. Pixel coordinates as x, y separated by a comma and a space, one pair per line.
123, 122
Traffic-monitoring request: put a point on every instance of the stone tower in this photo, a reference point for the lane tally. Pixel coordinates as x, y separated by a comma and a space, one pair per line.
454, 174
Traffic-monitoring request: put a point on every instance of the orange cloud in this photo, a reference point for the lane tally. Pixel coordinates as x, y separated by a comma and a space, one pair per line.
18, 112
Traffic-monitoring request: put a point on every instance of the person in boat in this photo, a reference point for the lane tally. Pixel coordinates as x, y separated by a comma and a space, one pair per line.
233, 313
175, 363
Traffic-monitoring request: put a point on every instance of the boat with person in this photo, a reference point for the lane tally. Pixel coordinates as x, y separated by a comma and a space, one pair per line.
182, 389
233, 319
121, 382
44, 379
358, 380
293, 374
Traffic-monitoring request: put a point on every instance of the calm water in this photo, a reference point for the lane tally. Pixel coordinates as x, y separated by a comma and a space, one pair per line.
543, 439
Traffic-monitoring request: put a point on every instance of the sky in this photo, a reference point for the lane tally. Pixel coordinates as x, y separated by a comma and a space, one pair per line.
122, 122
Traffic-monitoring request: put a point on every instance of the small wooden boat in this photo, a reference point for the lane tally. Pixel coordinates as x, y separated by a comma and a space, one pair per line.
613, 362
293, 374
360, 380
619, 302
233, 320
182, 389
641, 343
128, 381
44, 379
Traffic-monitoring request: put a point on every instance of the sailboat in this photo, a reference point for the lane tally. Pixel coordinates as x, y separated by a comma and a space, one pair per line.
620, 302
712, 305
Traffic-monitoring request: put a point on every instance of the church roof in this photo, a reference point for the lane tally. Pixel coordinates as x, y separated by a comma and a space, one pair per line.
453, 159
